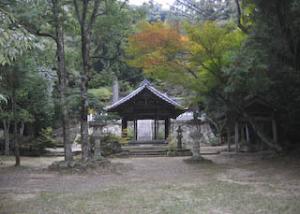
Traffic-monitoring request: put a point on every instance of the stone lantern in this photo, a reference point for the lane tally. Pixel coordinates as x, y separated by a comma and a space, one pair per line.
179, 138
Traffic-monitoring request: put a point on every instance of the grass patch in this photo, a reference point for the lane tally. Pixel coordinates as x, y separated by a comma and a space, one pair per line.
216, 196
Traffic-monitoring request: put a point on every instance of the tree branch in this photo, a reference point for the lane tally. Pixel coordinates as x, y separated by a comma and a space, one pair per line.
239, 17
192, 73
94, 13
31, 29
123, 4
77, 12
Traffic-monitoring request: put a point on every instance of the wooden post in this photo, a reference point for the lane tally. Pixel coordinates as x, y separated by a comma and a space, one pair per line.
243, 134
167, 128
274, 131
155, 129
247, 134
236, 136
135, 129
124, 128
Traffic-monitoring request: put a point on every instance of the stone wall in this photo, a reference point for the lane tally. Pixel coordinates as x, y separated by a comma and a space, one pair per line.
114, 127
189, 128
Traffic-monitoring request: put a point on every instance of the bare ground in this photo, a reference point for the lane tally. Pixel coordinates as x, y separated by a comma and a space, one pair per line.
231, 184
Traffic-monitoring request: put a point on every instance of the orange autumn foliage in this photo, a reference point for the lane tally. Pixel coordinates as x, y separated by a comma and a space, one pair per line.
155, 45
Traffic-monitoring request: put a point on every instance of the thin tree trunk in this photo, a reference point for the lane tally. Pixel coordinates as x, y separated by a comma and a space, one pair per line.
6, 125
85, 47
15, 133
62, 74
236, 136
239, 17
86, 22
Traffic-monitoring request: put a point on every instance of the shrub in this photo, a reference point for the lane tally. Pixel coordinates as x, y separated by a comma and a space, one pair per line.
37, 146
109, 144
172, 146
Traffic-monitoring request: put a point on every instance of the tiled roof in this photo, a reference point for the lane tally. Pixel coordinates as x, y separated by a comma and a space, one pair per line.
145, 85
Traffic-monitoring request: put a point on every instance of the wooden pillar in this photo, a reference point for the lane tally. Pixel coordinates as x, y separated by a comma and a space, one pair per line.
124, 127
155, 129
135, 129
274, 130
236, 136
167, 128
243, 133
247, 134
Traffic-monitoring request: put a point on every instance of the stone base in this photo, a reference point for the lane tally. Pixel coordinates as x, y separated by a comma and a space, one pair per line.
80, 166
179, 152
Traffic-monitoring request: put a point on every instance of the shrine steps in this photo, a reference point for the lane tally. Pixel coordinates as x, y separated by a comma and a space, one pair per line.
148, 142
150, 150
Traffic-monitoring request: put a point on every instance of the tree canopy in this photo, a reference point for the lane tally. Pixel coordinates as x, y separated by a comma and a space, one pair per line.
58, 60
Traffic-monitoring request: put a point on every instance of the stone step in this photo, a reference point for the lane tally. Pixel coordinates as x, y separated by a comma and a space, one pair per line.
147, 142
147, 154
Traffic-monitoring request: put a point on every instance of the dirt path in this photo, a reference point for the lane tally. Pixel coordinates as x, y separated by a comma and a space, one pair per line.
231, 184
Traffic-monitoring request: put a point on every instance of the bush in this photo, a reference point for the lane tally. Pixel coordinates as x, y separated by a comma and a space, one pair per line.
109, 144
46, 138
172, 146
37, 146
214, 141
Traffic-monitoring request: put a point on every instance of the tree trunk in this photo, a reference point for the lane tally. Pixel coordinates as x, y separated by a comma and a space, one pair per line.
85, 49
62, 75
271, 144
6, 125
86, 21
15, 133
236, 136
239, 17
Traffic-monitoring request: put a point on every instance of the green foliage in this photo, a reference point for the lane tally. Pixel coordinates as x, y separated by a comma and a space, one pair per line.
172, 144
197, 61
216, 64
110, 144
100, 93
212, 49
45, 139
32, 92
216, 10
13, 39
214, 141
98, 97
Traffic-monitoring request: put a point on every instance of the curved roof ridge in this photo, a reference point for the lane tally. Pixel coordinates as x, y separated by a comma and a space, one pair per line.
145, 84
124, 99
164, 96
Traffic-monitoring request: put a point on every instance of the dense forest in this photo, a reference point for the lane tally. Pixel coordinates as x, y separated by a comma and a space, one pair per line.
59, 59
